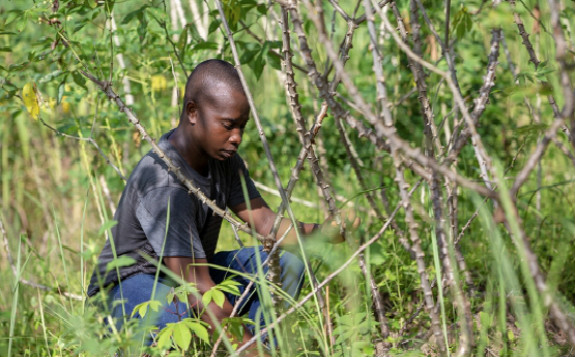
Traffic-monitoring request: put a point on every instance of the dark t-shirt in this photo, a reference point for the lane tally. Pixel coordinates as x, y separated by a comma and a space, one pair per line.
142, 214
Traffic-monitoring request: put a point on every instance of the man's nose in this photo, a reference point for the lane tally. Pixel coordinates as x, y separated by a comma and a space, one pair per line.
236, 136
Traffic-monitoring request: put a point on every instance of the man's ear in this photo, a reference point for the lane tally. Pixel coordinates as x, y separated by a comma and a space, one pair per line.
191, 112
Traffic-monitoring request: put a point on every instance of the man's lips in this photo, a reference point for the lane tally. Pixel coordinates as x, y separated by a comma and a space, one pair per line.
228, 153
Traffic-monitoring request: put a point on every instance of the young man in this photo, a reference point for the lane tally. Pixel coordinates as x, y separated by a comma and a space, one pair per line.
204, 147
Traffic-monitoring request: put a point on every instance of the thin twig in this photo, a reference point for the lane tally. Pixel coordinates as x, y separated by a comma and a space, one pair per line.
524, 35
91, 141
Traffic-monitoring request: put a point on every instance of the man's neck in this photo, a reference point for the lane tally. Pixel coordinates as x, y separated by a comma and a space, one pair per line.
189, 152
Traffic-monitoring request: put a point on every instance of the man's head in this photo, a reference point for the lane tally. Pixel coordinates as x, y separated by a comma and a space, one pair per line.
216, 109
207, 78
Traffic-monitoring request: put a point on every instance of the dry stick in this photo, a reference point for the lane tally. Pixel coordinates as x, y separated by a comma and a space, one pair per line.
377, 300
452, 204
302, 156
461, 300
419, 77
561, 53
331, 276
402, 184
444, 44
524, 35
304, 135
271, 51
564, 150
322, 85
445, 49
245, 294
306, 140
533, 56
29, 282
481, 101
536, 156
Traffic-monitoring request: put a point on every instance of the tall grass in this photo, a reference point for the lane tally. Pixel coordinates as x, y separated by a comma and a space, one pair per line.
58, 197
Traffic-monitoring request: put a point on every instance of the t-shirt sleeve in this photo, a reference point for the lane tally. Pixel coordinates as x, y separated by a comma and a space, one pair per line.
239, 170
181, 237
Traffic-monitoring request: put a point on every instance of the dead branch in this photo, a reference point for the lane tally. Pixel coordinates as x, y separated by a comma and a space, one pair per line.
524, 35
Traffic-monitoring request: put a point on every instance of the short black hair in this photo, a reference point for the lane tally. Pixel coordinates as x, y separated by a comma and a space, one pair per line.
205, 75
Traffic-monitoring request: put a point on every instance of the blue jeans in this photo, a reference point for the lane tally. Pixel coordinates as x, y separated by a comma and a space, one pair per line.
138, 288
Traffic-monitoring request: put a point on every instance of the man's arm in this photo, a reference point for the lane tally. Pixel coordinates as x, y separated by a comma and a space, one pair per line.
261, 218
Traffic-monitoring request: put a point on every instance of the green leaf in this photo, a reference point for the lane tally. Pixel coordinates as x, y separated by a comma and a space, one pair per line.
219, 297
207, 297
183, 41
79, 80
142, 309
30, 99
134, 14
262, 9
91, 3
164, 341
257, 65
13, 15
214, 25
61, 90
182, 336
199, 329
232, 12
110, 5
50, 76
121, 261
79, 26
205, 46
462, 22
229, 286
5, 49
531, 129
194, 32
17, 66
107, 225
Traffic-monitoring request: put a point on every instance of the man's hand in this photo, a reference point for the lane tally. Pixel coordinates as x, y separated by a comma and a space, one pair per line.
331, 228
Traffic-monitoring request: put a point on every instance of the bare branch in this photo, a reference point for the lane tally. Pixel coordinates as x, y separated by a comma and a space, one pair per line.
523, 175
524, 35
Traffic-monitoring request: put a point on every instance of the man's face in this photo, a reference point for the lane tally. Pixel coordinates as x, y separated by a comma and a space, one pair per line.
220, 123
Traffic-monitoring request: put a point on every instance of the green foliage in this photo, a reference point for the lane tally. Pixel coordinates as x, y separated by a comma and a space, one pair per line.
58, 190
